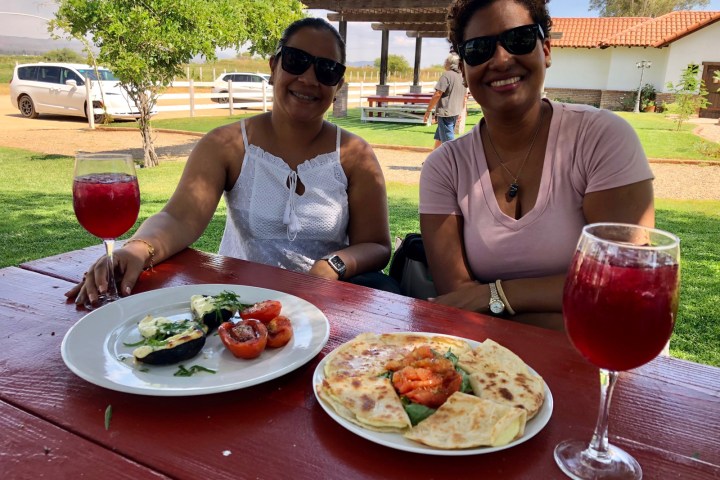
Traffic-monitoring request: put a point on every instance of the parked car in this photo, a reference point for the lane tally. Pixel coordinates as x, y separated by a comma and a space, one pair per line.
246, 86
59, 89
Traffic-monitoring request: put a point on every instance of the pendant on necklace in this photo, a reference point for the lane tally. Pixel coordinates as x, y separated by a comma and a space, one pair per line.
513, 190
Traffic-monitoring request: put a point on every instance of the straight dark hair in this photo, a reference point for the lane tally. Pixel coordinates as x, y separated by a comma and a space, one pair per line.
317, 24
460, 12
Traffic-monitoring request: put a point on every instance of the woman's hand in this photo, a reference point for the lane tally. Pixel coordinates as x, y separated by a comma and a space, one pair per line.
321, 268
471, 296
129, 263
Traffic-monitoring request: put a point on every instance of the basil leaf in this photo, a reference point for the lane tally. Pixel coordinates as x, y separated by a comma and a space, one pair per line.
415, 411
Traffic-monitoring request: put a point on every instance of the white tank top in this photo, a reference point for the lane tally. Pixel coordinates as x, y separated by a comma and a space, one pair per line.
268, 222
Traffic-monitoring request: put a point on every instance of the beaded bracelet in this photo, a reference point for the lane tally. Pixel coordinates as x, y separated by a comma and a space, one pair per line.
509, 309
151, 250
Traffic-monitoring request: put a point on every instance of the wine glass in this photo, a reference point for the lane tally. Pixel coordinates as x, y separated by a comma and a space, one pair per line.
106, 200
619, 303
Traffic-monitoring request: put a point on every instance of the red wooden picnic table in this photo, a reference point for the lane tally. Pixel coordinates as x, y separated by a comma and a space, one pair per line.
665, 413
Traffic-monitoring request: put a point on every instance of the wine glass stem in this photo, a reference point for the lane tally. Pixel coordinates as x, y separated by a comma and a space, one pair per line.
598, 447
112, 292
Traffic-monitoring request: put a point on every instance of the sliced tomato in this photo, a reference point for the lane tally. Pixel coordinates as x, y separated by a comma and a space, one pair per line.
425, 377
245, 339
263, 311
280, 332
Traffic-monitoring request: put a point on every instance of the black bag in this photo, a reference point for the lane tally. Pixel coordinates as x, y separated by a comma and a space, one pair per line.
409, 267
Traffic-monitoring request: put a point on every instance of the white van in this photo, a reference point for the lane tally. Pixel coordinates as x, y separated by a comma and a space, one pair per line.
246, 86
59, 89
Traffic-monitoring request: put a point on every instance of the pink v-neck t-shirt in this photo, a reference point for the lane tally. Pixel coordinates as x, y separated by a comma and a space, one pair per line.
588, 150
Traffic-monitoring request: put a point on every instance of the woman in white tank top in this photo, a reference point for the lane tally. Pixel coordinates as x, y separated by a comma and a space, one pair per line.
301, 193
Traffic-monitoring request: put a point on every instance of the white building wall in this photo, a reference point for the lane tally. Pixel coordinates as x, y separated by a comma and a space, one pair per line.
701, 46
624, 74
585, 68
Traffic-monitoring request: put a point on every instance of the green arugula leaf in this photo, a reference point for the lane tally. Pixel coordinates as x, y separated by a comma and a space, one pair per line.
189, 372
108, 416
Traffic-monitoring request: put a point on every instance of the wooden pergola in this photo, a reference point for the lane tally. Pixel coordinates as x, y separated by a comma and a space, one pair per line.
418, 18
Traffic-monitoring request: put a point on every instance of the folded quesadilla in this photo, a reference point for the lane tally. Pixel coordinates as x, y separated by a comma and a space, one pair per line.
466, 421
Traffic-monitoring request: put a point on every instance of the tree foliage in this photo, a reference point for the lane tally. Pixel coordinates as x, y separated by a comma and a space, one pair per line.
145, 42
396, 63
642, 8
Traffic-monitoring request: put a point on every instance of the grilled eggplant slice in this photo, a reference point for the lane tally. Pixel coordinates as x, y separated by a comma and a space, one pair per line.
166, 342
212, 310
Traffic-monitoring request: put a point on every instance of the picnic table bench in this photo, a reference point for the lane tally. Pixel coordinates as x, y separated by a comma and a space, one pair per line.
396, 108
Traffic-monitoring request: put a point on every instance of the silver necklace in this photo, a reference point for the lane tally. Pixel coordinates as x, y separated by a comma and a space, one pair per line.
514, 187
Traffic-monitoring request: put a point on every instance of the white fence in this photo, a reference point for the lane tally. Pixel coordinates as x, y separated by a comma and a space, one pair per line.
198, 97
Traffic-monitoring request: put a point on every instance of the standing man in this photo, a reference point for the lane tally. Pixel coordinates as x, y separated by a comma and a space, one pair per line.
450, 99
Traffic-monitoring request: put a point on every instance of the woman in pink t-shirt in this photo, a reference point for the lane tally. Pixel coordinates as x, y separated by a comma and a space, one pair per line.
501, 208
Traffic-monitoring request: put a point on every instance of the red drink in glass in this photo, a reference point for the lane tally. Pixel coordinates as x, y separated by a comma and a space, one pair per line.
106, 204
620, 316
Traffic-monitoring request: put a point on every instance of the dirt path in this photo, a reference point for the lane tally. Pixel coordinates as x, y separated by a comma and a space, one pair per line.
67, 135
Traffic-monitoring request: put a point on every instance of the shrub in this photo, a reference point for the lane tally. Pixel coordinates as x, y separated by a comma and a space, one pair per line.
690, 95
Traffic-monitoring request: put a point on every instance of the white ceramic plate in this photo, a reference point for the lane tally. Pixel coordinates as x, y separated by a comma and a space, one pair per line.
398, 442
94, 347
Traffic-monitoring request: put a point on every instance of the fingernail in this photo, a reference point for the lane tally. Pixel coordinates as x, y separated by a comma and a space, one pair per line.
127, 290
431, 299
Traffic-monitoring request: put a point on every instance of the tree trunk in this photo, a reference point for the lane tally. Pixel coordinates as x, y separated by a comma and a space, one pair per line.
150, 158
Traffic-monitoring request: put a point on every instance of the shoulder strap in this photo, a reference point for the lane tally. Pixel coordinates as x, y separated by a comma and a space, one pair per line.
244, 134
337, 141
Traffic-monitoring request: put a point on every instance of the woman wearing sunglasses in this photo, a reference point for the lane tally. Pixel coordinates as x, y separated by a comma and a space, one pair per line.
301, 193
501, 209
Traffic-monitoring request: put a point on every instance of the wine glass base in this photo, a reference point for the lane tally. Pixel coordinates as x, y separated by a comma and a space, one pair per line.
577, 461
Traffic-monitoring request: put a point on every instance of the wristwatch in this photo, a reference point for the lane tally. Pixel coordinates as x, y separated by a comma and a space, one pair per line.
336, 264
496, 304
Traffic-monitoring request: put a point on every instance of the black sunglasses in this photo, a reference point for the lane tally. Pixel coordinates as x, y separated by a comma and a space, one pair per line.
517, 41
296, 62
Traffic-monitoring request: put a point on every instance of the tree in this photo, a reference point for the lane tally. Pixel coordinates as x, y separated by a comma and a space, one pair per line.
396, 63
642, 8
65, 55
145, 42
690, 95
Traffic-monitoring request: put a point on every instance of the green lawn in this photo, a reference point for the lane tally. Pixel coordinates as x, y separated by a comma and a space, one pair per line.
38, 221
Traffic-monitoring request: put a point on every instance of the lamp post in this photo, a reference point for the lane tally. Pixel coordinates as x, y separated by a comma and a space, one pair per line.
642, 65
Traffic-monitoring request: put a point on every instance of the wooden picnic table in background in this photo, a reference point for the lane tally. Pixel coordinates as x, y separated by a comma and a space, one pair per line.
665, 413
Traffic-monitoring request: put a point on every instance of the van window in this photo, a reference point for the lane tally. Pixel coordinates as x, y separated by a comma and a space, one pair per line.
104, 74
49, 74
27, 73
67, 74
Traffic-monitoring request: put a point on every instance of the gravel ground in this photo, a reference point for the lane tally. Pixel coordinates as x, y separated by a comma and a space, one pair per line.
67, 135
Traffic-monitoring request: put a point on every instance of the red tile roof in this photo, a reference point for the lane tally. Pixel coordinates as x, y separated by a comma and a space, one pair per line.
606, 32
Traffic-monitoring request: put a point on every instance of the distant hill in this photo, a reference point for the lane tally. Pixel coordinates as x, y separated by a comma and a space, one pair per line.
361, 63
35, 46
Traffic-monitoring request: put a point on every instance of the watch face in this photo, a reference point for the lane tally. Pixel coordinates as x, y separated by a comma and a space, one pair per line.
337, 264
497, 307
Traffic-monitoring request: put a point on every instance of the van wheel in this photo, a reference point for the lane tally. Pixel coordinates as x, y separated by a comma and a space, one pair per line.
27, 107
222, 99
99, 119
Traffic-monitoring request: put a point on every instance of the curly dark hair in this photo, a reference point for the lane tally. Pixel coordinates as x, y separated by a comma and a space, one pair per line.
317, 24
460, 12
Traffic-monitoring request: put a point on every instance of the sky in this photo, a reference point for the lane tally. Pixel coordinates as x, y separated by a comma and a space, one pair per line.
363, 43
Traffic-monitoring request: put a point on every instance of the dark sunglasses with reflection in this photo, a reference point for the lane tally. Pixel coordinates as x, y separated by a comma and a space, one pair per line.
296, 62
517, 41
